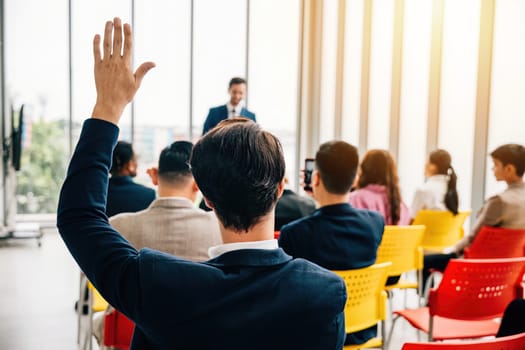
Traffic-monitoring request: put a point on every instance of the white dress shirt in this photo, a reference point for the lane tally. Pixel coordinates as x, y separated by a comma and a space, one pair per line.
431, 195
237, 108
217, 250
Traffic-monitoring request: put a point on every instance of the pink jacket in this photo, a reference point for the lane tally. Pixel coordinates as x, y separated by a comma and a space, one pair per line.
374, 197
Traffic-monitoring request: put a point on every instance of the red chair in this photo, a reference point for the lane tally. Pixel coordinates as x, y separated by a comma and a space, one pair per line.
512, 342
497, 242
472, 293
118, 330
276, 234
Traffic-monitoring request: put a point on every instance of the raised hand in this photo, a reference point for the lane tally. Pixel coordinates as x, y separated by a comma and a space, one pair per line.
115, 81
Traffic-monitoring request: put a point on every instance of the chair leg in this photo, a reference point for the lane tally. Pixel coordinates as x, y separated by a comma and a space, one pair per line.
391, 331
430, 327
383, 335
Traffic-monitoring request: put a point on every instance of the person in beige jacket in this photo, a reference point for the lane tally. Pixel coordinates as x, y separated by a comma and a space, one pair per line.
171, 223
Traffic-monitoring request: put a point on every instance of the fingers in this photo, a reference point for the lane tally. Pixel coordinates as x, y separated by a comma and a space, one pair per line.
128, 43
107, 39
96, 48
117, 37
141, 72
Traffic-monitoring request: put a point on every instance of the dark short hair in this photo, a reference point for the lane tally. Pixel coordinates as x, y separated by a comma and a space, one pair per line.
238, 168
235, 81
511, 153
122, 155
336, 162
174, 162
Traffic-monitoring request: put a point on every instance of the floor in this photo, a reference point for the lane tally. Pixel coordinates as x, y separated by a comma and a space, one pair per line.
39, 287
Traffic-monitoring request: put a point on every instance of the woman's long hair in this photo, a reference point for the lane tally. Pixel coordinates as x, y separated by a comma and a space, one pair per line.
378, 167
443, 162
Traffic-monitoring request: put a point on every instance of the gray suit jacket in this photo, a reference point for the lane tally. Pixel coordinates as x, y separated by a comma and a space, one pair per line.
506, 209
172, 225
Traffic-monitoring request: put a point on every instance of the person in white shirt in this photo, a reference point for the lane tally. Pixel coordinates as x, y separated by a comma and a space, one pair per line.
439, 190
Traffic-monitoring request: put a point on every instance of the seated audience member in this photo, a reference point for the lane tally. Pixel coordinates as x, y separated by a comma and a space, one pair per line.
439, 190
239, 299
124, 195
290, 207
336, 236
506, 209
378, 188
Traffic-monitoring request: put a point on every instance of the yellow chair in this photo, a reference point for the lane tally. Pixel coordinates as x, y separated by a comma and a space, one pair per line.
444, 229
401, 245
366, 303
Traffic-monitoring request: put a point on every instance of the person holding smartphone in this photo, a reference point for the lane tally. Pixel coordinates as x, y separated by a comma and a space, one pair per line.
336, 236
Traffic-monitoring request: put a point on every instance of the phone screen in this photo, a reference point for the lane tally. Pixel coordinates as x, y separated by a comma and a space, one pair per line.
308, 170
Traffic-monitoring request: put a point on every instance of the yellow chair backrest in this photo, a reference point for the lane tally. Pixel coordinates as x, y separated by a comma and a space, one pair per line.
366, 303
443, 229
401, 245
99, 303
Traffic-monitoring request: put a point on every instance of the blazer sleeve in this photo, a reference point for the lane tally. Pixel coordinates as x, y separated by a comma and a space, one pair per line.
107, 259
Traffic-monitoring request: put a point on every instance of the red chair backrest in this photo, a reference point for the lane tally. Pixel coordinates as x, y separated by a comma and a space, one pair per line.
276, 234
118, 330
512, 342
497, 242
477, 289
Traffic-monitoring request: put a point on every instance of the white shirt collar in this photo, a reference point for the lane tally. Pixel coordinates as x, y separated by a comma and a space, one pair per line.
238, 109
217, 250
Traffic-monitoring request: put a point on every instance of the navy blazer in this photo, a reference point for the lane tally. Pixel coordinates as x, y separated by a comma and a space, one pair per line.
217, 114
336, 237
250, 298
126, 196
290, 207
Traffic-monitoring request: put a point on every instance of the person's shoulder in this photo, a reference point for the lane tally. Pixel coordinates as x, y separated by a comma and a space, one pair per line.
369, 215
317, 277
301, 224
217, 108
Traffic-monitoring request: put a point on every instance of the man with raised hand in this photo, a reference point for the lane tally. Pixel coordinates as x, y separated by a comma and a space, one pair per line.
250, 294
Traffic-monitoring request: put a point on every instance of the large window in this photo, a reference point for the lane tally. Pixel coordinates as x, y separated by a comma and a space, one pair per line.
162, 106
458, 89
36, 61
507, 104
219, 54
414, 95
380, 73
273, 72
352, 71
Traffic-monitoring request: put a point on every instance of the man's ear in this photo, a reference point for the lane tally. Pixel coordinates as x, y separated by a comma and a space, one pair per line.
194, 186
316, 178
280, 189
153, 173
208, 203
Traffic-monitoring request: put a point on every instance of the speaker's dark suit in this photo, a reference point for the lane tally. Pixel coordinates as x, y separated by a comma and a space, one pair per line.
337, 237
126, 196
217, 114
243, 299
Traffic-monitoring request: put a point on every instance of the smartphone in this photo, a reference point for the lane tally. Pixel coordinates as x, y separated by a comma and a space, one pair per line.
308, 170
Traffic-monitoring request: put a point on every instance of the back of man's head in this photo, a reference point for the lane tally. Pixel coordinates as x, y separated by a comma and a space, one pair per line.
122, 155
174, 164
336, 162
238, 168
513, 154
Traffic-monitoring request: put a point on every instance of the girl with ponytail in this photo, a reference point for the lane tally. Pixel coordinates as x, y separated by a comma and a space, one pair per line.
439, 190
378, 188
